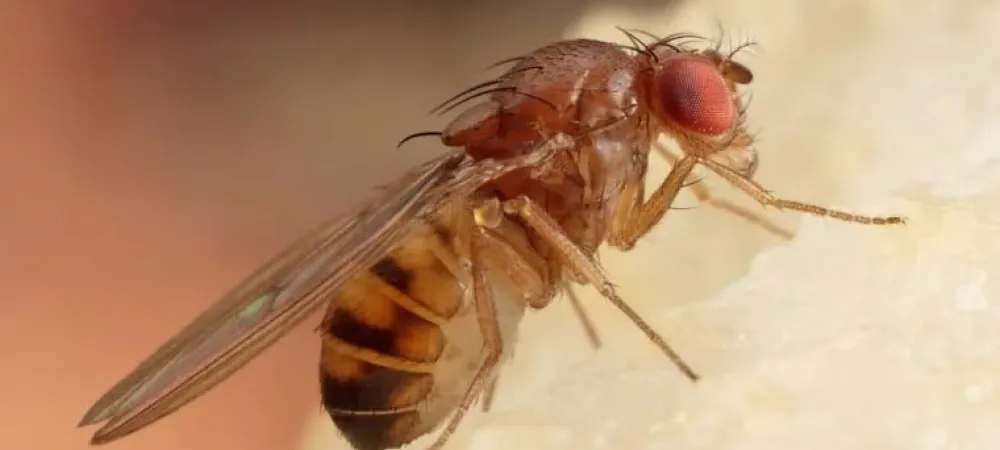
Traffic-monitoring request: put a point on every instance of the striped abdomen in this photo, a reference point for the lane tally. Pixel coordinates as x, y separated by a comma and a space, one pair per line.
401, 345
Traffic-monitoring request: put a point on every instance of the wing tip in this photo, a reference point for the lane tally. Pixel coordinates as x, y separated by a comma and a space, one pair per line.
100, 439
106, 434
92, 416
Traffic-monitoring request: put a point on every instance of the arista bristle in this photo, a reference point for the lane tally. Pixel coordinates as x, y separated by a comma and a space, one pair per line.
695, 96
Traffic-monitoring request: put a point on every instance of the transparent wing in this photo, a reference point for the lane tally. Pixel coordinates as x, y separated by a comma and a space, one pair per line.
273, 300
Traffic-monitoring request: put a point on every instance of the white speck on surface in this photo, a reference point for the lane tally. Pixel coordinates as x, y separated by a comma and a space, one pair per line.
934, 439
976, 392
971, 297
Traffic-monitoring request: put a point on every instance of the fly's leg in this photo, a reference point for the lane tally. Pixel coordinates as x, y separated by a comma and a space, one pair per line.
702, 193
525, 275
503, 245
489, 327
469, 180
539, 221
491, 239
765, 198
637, 217
490, 393
581, 314
525, 270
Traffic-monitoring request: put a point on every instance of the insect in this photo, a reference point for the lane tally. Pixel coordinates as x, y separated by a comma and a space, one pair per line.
426, 282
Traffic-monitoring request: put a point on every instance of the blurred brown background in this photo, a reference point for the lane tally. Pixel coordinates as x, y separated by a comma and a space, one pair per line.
154, 152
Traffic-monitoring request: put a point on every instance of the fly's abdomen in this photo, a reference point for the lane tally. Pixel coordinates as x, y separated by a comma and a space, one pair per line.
382, 337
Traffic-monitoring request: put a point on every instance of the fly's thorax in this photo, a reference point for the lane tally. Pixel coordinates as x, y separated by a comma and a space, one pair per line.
586, 89
568, 87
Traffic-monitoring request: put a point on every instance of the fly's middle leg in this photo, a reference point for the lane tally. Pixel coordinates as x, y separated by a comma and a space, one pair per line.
526, 271
549, 230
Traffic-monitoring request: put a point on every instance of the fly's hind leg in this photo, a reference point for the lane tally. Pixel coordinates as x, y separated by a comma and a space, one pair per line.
571, 254
588, 328
503, 245
490, 239
489, 327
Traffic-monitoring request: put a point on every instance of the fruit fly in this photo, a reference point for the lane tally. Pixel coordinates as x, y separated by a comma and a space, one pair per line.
426, 282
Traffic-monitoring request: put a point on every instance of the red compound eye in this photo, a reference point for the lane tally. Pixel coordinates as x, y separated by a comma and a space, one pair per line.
695, 96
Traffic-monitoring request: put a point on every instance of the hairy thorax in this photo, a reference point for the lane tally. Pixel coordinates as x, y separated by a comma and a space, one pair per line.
581, 88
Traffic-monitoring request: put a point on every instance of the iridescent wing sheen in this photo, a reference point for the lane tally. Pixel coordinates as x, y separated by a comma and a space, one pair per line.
278, 296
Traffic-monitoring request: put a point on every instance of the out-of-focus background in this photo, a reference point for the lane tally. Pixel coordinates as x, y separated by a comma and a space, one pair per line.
155, 152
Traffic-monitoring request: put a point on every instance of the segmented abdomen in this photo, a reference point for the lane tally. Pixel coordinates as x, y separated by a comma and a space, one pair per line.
382, 338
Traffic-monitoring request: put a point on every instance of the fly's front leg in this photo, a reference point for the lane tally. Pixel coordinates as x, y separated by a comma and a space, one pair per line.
636, 218
704, 195
765, 198
700, 192
546, 227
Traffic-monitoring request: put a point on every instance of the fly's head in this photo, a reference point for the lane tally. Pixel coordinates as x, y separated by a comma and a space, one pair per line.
693, 95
